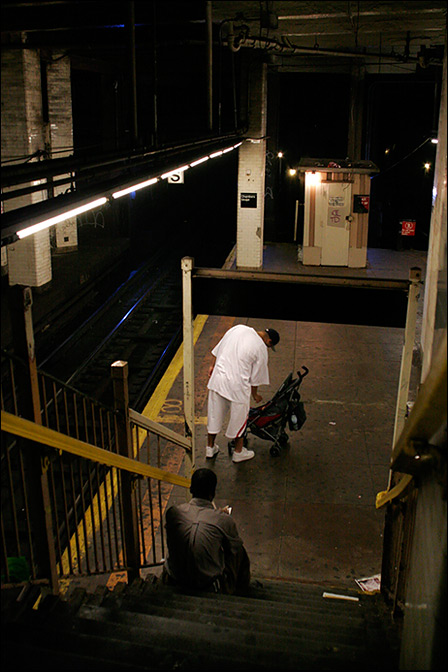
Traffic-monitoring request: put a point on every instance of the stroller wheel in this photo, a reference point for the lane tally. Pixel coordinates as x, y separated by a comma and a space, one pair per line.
284, 439
275, 451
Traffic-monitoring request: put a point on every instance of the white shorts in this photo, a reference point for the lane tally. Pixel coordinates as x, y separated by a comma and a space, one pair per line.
218, 408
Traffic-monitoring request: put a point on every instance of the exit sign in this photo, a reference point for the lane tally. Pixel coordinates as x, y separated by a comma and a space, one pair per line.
408, 227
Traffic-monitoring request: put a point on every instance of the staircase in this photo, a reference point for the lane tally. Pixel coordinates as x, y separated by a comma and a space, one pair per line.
149, 626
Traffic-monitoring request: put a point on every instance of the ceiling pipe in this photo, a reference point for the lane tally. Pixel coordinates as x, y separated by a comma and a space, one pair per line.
209, 57
133, 72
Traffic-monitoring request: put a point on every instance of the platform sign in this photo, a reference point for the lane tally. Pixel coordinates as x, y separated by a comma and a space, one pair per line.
176, 178
407, 227
248, 200
361, 204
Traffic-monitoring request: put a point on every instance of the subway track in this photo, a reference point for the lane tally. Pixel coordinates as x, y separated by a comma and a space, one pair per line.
140, 323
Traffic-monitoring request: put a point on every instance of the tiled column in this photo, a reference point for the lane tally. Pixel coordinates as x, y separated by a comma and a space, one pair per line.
60, 136
251, 176
29, 260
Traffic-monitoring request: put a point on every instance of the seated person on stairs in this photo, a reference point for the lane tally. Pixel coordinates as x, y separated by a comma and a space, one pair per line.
204, 549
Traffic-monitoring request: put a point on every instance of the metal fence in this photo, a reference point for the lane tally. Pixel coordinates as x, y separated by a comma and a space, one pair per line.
88, 505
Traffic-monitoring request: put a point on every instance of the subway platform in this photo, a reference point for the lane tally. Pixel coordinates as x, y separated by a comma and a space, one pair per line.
309, 515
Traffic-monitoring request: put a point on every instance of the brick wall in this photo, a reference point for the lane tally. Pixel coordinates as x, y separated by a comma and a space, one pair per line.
25, 132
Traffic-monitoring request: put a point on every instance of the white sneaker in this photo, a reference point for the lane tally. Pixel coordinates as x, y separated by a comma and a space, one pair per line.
211, 452
243, 455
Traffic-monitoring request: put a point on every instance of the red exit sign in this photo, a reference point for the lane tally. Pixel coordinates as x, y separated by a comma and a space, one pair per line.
408, 227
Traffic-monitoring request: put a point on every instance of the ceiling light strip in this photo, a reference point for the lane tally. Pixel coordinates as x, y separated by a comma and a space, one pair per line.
135, 187
40, 226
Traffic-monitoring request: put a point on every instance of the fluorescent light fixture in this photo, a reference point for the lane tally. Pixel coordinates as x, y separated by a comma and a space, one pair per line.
229, 149
434, 141
196, 163
213, 156
176, 170
237, 145
34, 228
135, 187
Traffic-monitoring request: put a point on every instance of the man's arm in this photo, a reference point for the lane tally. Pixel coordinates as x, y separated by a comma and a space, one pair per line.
212, 366
255, 394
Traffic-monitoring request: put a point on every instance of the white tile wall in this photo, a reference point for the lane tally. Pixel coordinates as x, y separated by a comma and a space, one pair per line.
251, 177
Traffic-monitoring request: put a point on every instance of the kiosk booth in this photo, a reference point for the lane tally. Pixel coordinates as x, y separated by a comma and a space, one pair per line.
337, 203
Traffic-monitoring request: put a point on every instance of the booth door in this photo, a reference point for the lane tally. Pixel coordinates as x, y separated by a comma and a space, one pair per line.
336, 228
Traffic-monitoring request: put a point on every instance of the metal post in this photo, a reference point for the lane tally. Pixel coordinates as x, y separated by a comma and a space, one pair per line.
119, 371
209, 56
38, 492
188, 349
408, 347
133, 71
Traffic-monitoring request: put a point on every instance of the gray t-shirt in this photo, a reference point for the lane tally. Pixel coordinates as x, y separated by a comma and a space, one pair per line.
201, 541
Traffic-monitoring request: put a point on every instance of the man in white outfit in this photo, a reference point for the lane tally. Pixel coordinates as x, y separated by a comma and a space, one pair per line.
241, 365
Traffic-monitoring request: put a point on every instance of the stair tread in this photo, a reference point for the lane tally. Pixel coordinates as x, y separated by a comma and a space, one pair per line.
280, 625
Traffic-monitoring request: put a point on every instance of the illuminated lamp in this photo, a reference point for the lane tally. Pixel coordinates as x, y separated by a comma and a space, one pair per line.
40, 226
292, 171
196, 163
135, 187
313, 178
215, 154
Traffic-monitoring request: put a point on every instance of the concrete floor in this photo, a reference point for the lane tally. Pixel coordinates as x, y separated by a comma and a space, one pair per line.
310, 515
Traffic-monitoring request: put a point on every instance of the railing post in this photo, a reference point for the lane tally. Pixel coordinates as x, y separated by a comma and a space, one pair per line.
20, 304
408, 347
119, 371
188, 351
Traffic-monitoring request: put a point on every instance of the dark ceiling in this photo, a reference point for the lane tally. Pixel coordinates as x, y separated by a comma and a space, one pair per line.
166, 44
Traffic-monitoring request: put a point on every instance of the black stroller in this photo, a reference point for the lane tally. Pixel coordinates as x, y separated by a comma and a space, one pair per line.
269, 420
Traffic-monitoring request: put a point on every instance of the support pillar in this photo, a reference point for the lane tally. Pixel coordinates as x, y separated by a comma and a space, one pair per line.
356, 113
188, 350
42, 555
408, 348
251, 175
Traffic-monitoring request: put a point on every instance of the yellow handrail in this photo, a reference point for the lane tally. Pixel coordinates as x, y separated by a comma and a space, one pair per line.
49, 437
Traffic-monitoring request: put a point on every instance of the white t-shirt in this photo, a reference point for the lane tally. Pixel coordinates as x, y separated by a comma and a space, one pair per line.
241, 363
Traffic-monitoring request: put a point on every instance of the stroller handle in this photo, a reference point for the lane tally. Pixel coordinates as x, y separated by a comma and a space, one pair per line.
302, 375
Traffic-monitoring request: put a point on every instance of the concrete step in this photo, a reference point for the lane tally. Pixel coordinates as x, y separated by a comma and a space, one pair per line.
151, 626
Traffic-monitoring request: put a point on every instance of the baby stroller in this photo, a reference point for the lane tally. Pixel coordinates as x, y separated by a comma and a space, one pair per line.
269, 420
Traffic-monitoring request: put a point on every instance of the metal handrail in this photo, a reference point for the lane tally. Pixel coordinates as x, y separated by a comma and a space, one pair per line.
27, 429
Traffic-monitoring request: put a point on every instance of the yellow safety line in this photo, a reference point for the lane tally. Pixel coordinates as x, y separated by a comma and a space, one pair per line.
154, 405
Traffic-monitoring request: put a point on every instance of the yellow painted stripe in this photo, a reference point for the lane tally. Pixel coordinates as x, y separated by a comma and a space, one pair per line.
154, 405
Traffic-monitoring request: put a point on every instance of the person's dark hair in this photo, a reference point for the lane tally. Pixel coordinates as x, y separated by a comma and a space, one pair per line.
203, 483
